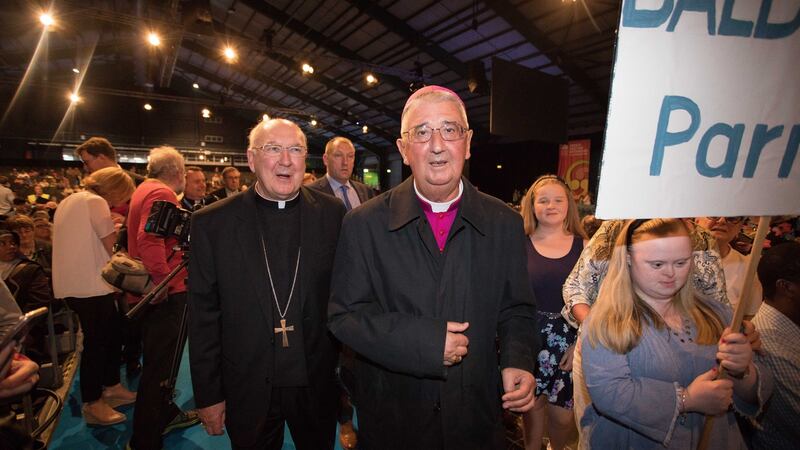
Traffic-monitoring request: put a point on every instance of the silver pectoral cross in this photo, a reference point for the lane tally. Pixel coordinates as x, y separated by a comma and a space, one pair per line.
283, 329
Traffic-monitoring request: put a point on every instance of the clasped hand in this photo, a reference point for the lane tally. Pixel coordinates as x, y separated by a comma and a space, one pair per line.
456, 344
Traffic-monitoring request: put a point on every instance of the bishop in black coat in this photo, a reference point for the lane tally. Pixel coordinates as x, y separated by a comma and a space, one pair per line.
232, 315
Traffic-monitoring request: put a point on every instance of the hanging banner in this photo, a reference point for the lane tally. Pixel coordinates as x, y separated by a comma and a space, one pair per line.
704, 113
573, 166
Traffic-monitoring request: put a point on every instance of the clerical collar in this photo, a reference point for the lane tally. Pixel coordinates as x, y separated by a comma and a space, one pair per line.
277, 204
438, 207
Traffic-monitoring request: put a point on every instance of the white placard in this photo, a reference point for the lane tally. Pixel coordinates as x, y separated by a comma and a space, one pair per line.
704, 115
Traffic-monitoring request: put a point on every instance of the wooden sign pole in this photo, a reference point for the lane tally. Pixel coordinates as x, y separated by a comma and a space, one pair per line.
741, 308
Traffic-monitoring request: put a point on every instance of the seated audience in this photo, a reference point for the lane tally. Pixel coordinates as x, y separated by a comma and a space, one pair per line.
37, 251
651, 350
778, 320
26, 279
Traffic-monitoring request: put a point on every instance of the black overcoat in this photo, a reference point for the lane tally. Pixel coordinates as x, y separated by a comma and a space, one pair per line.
231, 308
391, 297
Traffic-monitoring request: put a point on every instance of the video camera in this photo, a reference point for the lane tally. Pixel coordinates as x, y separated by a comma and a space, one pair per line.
166, 219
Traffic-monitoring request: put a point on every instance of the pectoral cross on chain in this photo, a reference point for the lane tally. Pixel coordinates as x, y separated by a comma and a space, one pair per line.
283, 329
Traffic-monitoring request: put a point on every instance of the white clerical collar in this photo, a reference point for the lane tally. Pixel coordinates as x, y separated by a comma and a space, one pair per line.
281, 203
441, 206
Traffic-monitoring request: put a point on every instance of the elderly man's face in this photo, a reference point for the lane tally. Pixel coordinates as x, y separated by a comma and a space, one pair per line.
280, 176
723, 229
340, 161
195, 185
231, 180
436, 164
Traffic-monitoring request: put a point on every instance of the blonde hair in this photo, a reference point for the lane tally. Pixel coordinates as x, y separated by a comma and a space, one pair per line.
618, 314
111, 183
572, 222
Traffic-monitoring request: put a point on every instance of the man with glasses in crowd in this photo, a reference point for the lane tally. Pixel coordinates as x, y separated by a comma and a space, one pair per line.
340, 159
231, 181
426, 277
261, 262
97, 153
725, 230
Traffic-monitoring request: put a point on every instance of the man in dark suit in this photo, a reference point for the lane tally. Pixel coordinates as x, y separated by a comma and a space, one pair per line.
231, 184
427, 276
260, 269
194, 195
339, 159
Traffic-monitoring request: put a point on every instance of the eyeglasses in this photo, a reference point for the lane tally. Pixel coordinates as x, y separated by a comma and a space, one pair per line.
274, 150
732, 220
449, 131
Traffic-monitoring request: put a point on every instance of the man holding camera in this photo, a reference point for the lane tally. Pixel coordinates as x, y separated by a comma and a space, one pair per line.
155, 413
261, 262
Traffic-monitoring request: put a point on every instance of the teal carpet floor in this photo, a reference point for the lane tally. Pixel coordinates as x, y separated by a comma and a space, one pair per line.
73, 434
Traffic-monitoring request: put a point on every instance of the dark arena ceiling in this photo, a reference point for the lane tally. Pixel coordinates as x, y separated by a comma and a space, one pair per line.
399, 42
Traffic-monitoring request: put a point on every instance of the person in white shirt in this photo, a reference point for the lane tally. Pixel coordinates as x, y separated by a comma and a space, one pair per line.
734, 264
83, 236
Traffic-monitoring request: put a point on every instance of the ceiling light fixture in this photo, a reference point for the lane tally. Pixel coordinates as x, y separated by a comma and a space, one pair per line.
206, 113
265, 117
370, 79
313, 122
153, 39
76, 70
46, 19
307, 69
148, 107
74, 97
195, 85
229, 53
365, 129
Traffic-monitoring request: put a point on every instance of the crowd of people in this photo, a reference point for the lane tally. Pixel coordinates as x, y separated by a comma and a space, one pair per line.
432, 310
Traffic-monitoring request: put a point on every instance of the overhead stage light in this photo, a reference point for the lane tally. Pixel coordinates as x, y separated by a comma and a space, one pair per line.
74, 97
370, 79
195, 85
265, 117
307, 69
153, 39
313, 122
76, 70
148, 107
206, 113
46, 19
365, 129
229, 53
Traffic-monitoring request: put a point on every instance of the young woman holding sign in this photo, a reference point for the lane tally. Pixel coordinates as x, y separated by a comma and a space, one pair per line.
650, 348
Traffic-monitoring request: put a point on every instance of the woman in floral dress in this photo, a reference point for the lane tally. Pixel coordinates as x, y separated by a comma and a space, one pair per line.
556, 239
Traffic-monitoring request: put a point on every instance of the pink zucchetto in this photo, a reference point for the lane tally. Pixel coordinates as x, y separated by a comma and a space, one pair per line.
428, 89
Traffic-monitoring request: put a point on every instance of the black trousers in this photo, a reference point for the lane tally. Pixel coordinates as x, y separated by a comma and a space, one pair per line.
101, 343
131, 333
312, 427
154, 407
